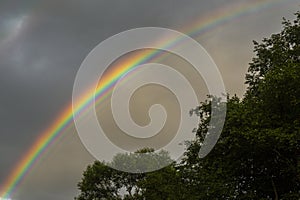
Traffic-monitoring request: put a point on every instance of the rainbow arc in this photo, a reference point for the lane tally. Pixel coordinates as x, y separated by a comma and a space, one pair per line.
65, 118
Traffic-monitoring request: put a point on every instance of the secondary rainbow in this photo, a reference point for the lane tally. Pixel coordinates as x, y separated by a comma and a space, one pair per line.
65, 118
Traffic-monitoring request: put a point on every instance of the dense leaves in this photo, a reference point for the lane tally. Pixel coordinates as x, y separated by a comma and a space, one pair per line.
258, 153
257, 156
100, 181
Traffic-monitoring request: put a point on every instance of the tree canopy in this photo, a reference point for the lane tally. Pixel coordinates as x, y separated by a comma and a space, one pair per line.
258, 153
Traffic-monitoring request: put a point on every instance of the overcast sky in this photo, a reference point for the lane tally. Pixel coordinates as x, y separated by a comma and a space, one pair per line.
42, 44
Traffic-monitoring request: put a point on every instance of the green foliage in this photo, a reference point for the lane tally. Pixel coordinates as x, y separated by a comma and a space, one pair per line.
257, 155
163, 184
274, 52
99, 182
103, 182
143, 160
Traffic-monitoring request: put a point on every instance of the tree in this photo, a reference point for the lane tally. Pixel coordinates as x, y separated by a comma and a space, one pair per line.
163, 184
102, 181
99, 182
274, 52
143, 160
257, 155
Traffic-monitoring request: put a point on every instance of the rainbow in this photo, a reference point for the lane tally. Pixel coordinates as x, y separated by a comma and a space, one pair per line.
65, 119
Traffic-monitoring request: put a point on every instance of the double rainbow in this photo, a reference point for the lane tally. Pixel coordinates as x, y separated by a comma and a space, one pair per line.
65, 118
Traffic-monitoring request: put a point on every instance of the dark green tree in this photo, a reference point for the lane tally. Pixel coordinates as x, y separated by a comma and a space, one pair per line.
165, 183
99, 182
102, 181
257, 155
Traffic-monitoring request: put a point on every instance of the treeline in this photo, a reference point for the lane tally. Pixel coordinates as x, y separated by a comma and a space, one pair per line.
257, 155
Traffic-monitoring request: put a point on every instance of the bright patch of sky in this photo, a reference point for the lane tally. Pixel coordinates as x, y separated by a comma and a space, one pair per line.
10, 28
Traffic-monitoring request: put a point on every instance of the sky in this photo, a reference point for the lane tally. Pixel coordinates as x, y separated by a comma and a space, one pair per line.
43, 43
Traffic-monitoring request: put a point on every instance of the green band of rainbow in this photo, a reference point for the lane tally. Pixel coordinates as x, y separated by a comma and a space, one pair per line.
65, 118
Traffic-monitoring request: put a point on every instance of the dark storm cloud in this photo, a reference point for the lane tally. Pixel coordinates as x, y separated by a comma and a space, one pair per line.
40, 59
42, 44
